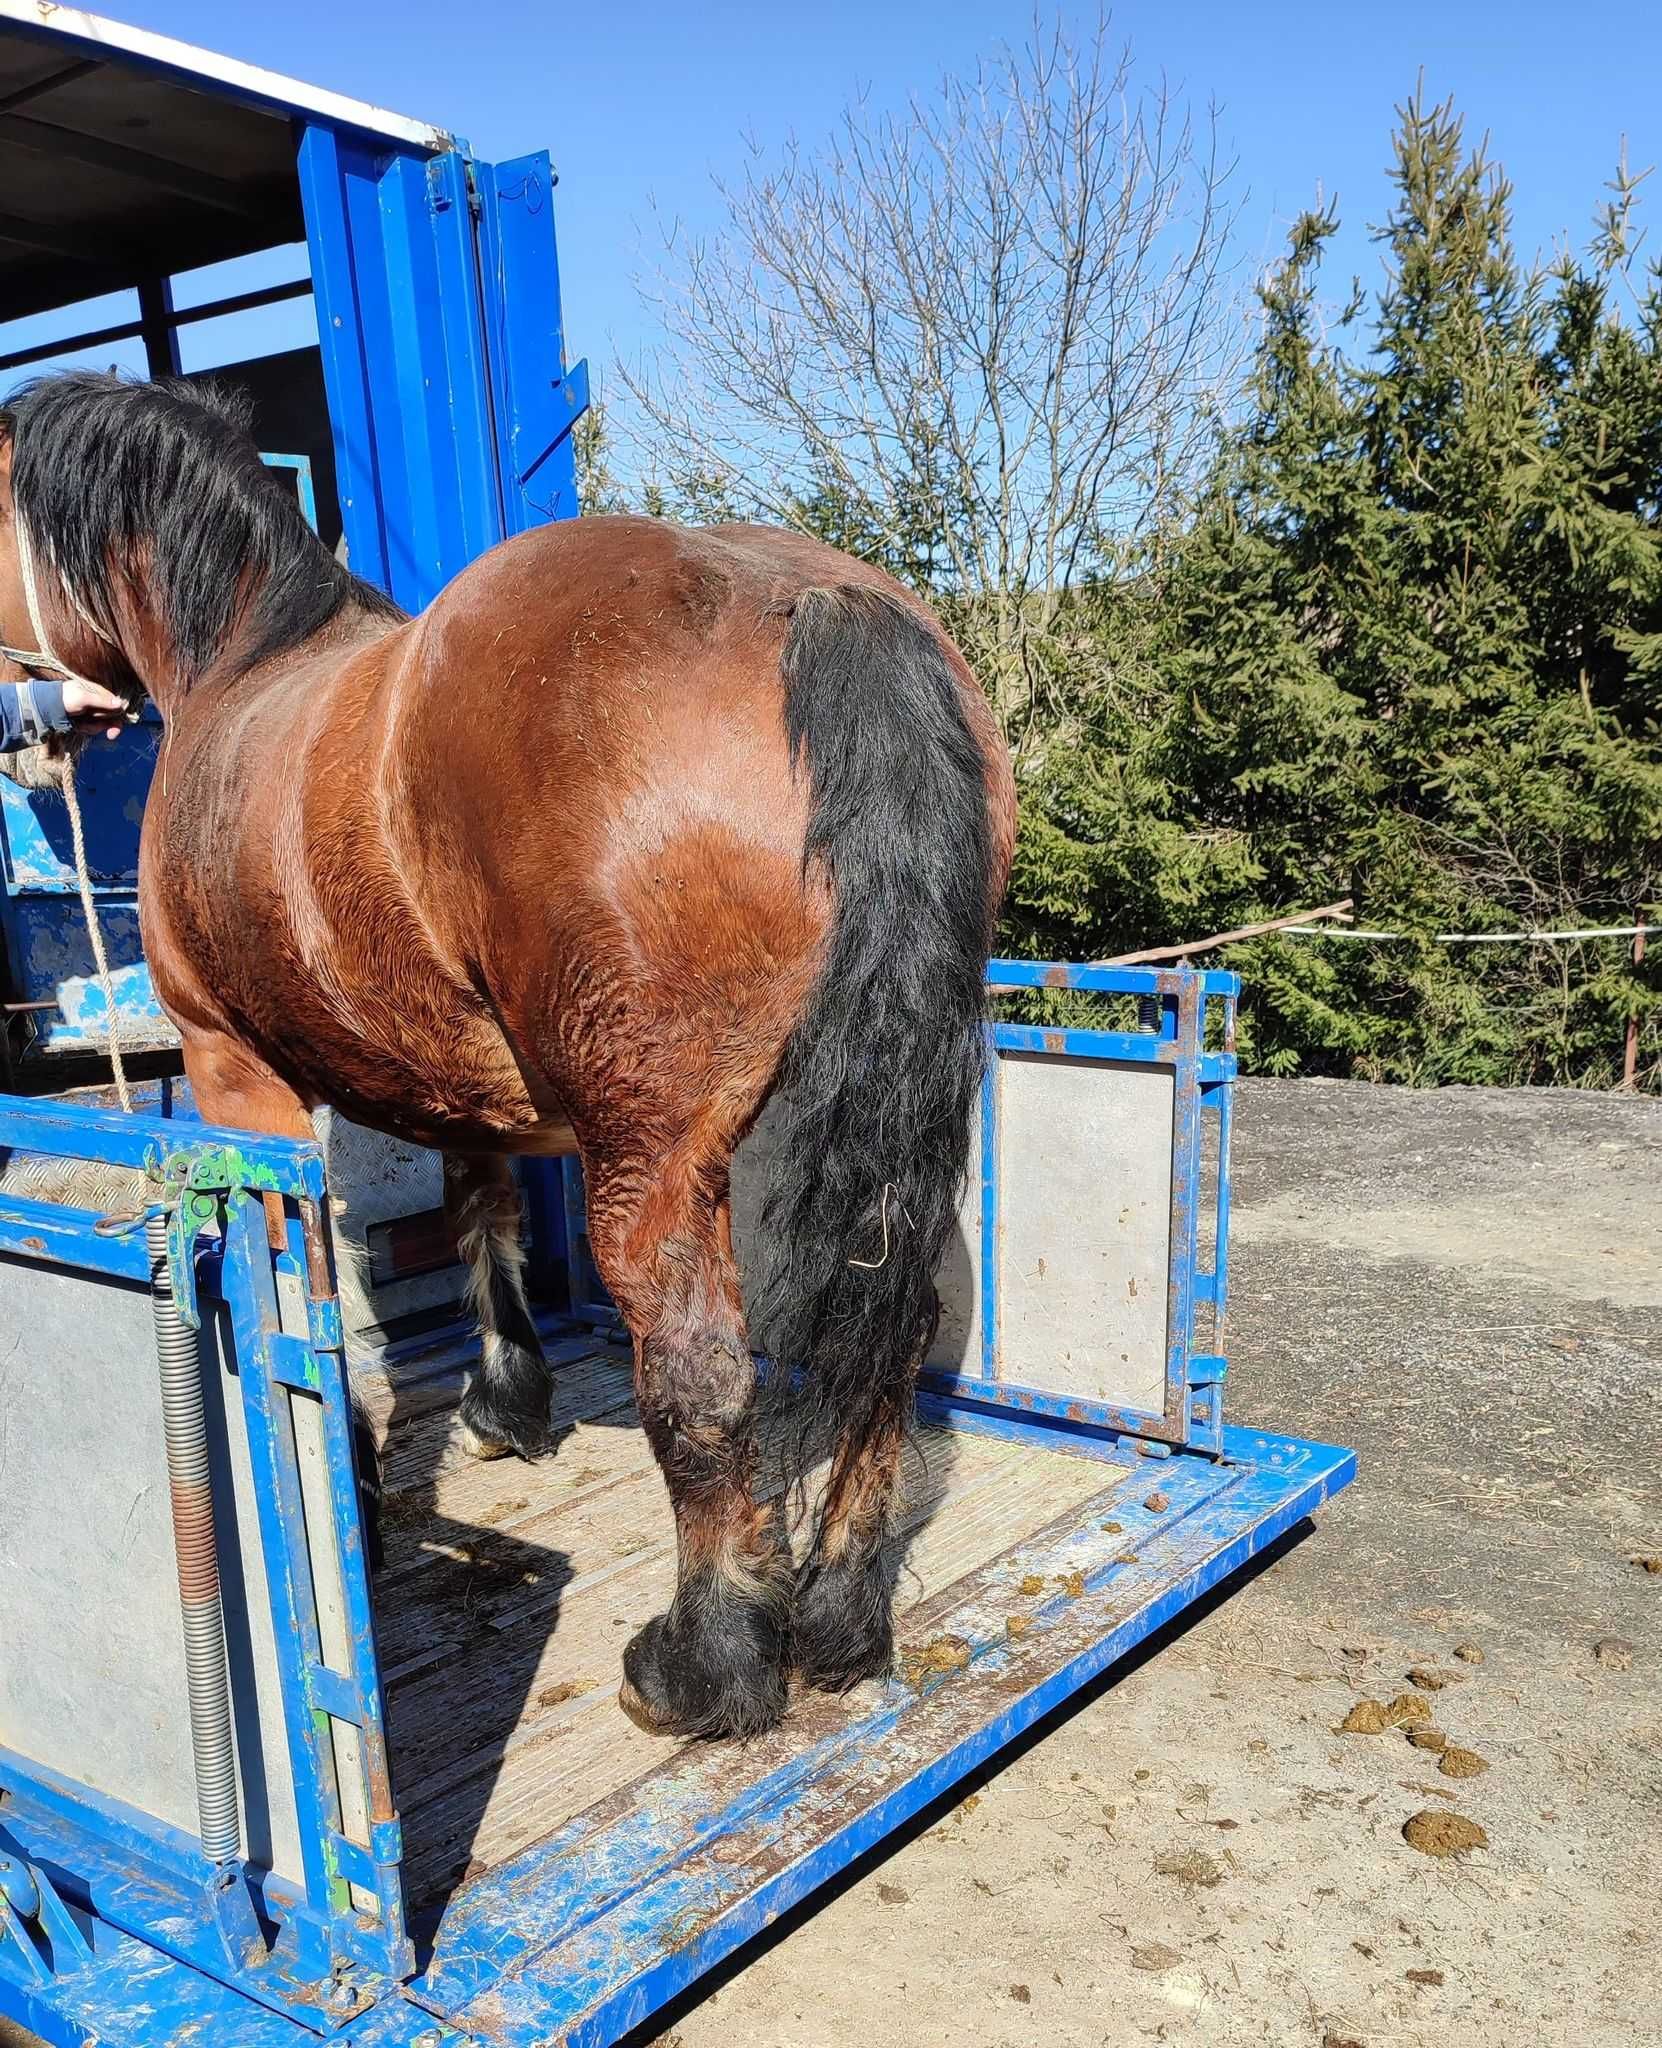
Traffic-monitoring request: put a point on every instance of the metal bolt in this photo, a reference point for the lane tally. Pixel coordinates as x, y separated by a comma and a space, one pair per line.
430, 2037
343, 1995
18, 1888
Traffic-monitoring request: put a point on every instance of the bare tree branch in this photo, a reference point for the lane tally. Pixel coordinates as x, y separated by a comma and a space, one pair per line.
988, 337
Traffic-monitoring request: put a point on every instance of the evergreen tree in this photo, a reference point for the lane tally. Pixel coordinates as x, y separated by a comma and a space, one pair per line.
1407, 648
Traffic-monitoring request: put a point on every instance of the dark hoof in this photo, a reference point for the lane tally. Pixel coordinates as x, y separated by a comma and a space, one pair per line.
724, 1677
843, 1627
492, 1432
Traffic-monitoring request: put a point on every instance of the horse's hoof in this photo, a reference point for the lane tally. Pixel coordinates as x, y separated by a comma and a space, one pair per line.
841, 1630
477, 1446
725, 1677
487, 1433
641, 1711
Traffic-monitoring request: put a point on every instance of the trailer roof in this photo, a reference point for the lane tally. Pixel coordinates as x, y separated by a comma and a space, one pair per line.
126, 155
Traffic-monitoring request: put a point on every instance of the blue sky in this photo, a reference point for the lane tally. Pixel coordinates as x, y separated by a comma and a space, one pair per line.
646, 99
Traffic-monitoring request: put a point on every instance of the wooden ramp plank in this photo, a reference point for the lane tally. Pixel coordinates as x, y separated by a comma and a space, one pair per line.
510, 1591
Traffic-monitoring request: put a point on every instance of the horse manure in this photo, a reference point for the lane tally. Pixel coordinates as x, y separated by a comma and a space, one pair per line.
1433, 1977
1615, 1653
1427, 1681
1031, 1586
1021, 1994
1193, 1870
1428, 1738
1155, 1955
1071, 1583
567, 1689
1468, 1653
945, 1653
1461, 1763
892, 1895
1653, 1565
1406, 1709
1367, 1717
1443, 1834
1114, 1528
1157, 1503
1017, 1624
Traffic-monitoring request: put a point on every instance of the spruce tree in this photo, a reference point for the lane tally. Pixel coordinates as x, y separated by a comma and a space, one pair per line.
1408, 647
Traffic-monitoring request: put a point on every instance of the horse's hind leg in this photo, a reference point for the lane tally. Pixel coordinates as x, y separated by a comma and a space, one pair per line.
843, 1628
505, 1405
714, 1664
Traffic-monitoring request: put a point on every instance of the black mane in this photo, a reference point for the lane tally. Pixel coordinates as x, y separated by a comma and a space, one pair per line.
110, 475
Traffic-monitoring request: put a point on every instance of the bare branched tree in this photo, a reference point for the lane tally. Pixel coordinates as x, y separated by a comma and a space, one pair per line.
983, 340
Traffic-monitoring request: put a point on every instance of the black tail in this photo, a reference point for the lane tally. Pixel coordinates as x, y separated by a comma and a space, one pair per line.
881, 1074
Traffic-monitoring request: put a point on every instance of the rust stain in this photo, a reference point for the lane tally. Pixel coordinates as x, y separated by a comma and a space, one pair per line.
1056, 976
377, 1778
193, 1541
317, 1258
1055, 1041
33, 1244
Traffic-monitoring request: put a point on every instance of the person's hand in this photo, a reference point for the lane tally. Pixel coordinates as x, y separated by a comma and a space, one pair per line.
90, 705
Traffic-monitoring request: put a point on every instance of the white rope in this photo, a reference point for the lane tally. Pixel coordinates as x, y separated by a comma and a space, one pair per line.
43, 656
95, 931
1601, 931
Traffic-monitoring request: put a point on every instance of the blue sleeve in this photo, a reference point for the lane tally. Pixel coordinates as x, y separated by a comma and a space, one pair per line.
28, 711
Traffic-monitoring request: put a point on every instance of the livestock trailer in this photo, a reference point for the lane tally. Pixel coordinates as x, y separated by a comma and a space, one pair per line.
308, 1795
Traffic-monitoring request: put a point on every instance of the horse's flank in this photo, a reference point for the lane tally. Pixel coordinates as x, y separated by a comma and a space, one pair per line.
556, 804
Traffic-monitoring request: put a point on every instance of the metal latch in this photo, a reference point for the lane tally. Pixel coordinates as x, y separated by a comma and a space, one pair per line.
193, 1183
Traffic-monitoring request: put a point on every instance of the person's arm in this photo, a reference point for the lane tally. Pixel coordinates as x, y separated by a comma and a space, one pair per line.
28, 712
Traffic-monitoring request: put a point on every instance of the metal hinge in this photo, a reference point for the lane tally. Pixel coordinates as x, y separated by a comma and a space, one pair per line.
192, 1185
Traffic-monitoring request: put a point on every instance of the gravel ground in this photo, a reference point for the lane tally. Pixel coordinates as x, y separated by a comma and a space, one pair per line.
1465, 1286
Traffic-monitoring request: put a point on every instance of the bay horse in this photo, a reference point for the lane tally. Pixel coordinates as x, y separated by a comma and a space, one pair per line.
633, 826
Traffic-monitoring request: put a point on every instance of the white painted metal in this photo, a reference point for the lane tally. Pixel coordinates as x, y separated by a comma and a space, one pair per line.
223, 75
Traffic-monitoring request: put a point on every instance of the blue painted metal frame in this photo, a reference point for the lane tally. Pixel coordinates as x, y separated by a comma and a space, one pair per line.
305, 491
1203, 1076
345, 1922
537, 401
436, 281
584, 1935
580, 1938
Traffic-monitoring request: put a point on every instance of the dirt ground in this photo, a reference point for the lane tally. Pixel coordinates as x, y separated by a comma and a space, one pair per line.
1465, 1286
